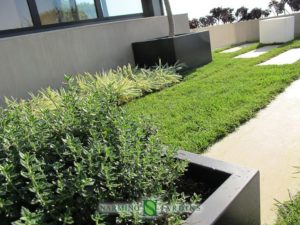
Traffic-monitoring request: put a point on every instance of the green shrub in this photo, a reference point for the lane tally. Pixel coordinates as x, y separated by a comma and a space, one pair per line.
63, 152
289, 212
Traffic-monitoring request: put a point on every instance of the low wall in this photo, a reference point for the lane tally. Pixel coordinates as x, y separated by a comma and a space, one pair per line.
297, 22
234, 33
34, 61
241, 32
297, 25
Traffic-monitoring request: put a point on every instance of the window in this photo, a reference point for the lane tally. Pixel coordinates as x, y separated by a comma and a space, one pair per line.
14, 14
39, 14
53, 11
121, 7
86, 9
60, 11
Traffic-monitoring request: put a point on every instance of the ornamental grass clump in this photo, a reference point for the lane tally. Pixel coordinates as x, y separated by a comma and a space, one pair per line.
64, 152
288, 213
129, 83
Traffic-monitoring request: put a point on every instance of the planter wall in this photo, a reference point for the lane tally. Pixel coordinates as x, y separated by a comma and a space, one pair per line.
277, 30
192, 49
237, 199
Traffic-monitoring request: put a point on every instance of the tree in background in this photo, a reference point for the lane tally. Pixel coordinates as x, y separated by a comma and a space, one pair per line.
278, 7
211, 20
258, 13
207, 21
194, 23
227, 15
266, 12
217, 13
294, 4
222, 14
241, 14
282, 6
273, 5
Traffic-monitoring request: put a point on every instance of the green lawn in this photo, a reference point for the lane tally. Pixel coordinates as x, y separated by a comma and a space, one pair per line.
214, 100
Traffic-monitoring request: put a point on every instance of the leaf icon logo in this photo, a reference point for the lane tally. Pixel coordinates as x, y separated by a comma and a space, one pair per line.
150, 208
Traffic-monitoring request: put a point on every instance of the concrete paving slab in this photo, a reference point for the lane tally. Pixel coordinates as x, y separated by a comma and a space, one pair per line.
237, 48
270, 143
257, 52
288, 57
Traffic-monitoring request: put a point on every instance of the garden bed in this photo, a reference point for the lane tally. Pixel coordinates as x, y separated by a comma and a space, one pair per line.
65, 151
289, 211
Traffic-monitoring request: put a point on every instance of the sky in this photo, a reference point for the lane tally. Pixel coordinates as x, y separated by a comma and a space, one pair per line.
198, 8
121, 7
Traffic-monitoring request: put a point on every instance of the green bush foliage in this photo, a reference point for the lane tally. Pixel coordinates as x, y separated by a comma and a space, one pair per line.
63, 152
289, 212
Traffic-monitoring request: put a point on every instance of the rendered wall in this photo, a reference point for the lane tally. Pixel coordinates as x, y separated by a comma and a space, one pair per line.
34, 61
277, 30
297, 22
230, 34
236, 33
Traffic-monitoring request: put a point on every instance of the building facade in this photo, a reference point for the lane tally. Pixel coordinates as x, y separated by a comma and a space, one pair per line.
21, 16
42, 40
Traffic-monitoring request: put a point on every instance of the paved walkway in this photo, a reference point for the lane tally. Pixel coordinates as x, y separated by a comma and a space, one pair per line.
237, 48
257, 52
270, 143
288, 57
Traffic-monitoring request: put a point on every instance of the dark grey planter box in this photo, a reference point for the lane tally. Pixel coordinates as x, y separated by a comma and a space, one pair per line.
237, 199
193, 50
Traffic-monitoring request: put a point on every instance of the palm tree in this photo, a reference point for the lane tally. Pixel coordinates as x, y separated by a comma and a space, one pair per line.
170, 18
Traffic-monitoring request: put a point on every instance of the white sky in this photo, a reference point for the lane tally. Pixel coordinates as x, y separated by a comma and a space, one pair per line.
198, 8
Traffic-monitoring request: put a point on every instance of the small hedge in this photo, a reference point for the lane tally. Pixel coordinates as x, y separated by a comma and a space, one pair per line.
63, 152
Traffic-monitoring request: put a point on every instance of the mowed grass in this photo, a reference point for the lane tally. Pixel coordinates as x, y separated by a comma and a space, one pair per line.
214, 100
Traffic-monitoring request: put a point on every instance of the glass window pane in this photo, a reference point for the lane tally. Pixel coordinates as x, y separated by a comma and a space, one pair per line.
55, 11
86, 9
119, 8
14, 14
60, 11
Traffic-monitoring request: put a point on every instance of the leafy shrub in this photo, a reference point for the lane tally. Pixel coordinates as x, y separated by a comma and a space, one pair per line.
63, 152
289, 212
129, 83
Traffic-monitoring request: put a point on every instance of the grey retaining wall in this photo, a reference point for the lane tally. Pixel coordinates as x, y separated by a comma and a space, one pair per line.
34, 61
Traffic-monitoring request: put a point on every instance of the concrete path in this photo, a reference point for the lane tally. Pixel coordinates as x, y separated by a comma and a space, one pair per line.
257, 52
288, 57
270, 143
237, 48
